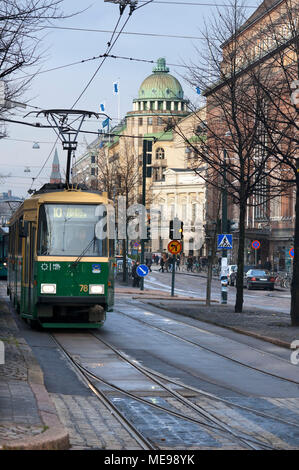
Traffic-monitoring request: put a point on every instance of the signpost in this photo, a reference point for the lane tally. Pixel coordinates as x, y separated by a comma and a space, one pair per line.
256, 246
142, 270
291, 252
174, 247
225, 242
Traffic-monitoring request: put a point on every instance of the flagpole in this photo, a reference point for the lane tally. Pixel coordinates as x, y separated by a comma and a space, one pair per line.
118, 103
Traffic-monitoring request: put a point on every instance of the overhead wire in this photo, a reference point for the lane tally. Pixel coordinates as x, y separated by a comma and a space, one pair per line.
129, 33
109, 48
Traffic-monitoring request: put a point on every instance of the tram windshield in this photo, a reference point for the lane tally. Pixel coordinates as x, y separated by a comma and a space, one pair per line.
69, 230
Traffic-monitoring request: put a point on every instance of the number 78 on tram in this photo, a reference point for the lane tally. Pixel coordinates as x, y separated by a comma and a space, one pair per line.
60, 261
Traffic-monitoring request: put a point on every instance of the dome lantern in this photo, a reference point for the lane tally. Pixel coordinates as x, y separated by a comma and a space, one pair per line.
160, 85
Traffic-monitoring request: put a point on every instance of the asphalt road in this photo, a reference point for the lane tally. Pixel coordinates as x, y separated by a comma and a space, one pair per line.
195, 286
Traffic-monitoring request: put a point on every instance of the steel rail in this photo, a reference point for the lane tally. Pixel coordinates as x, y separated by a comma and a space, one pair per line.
220, 425
209, 395
130, 428
205, 348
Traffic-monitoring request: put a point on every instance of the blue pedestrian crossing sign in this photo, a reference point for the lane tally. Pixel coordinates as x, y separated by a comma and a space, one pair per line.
225, 242
142, 270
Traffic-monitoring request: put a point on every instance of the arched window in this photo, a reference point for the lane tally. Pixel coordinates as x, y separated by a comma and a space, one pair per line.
160, 154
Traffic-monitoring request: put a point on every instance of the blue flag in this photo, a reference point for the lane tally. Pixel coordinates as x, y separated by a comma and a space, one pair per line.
105, 123
115, 88
102, 107
198, 90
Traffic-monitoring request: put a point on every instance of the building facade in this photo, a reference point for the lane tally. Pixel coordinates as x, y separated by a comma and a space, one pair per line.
263, 47
160, 114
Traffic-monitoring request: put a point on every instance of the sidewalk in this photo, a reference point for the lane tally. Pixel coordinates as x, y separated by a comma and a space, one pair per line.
28, 418
270, 326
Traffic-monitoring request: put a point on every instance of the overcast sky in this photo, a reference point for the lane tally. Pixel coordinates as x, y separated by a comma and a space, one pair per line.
62, 87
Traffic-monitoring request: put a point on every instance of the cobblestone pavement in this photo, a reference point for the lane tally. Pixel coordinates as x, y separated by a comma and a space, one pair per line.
91, 425
19, 415
28, 419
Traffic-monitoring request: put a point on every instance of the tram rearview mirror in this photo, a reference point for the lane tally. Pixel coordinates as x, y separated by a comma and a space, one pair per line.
23, 229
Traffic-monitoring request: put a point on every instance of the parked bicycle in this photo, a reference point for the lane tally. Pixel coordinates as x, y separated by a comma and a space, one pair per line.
283, 280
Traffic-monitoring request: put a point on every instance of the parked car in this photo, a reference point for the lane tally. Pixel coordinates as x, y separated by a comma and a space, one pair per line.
233, 276
255, 278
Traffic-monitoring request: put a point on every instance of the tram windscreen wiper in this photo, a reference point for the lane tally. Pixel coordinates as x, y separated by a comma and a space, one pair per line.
77, 260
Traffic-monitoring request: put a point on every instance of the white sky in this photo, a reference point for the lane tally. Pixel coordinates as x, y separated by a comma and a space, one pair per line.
61, 88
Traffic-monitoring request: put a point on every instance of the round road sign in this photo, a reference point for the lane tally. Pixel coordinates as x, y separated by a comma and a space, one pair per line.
142, 270
174, 247
256, 244
291, 252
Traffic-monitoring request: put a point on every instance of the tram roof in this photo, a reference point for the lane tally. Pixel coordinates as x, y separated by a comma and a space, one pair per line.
65, 195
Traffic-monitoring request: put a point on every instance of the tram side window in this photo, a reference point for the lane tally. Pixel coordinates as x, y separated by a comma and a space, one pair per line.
12, 238
43, 232
20, 239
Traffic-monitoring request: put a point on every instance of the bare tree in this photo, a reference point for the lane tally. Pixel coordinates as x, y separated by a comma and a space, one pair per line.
233, 136
21, 22
281, 123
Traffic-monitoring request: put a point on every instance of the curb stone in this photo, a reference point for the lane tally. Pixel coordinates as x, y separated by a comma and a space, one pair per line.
275, 341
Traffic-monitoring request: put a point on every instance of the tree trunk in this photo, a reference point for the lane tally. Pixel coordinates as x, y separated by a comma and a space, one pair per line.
295, 280
209, 280
125, 277
240, 261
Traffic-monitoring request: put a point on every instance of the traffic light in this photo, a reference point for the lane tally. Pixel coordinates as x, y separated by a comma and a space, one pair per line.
171, 229
181, 230
176, 229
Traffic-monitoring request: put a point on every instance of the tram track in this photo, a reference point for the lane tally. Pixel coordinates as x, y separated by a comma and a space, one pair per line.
246, 441
157, 377
193, 343
144, 443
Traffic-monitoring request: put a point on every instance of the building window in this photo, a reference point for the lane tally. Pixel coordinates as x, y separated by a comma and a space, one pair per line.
150, 121
140, 121
160, 154
92, 172
93, 159
160, 121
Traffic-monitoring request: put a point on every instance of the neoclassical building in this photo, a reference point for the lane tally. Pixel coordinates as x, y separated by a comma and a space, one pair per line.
160, 113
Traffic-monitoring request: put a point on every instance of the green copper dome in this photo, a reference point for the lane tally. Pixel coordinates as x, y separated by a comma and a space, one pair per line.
160, 85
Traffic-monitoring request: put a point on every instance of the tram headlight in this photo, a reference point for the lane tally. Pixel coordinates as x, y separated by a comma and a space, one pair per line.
48, 288
96, 288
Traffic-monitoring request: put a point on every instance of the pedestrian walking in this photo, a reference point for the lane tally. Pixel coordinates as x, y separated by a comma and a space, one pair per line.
189, 263
136, 278
162, 263
149, 264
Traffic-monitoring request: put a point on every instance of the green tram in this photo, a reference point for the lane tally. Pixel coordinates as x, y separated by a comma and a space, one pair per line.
3, 252
60, 274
